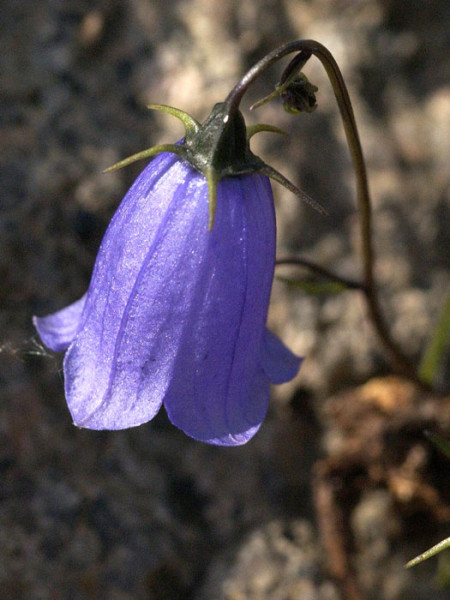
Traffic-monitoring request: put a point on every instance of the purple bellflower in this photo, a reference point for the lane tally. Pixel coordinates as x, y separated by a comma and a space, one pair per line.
176, 309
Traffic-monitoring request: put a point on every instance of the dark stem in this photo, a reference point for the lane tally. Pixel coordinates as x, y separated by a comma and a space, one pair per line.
399, 359
302, 46
303, 262
307, 48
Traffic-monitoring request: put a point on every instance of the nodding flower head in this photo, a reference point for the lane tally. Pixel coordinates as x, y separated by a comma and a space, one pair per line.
176, 309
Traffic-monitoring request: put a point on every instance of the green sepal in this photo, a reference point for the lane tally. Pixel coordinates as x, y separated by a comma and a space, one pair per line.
150, 152
279, 89
277, 176
191, 125
254, 129
218, 148
276, 92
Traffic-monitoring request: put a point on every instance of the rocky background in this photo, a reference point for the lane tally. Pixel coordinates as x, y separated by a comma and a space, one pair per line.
340, 487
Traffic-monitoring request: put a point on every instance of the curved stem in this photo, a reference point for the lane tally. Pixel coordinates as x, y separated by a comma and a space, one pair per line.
307, 48
235, 96
400, 360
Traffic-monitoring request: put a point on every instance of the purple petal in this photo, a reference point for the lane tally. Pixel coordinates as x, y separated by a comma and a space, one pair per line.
175, 312
278, 362
58, 329
219, 392
119, 366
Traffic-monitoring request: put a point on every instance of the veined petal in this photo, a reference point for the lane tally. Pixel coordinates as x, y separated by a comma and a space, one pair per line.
278, 362
58, 329
115, 244
120, 364
219, 392
175, 312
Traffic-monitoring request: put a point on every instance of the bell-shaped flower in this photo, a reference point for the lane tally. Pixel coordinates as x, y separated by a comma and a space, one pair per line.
176, 310
175, 313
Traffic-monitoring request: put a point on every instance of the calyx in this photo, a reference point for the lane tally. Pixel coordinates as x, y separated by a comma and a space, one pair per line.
219, 147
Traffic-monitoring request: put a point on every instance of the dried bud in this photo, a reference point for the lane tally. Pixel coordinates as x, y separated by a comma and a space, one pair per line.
300, 95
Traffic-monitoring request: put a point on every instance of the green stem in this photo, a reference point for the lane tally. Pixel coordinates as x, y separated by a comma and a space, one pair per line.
436, 346
429, 553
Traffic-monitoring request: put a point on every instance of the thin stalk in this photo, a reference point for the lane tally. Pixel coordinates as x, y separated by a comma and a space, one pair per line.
307, 48
303, 262
399, 359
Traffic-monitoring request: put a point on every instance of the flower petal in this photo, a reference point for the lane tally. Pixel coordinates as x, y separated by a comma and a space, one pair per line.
219, 392
278, 362
119, 366
58, 329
